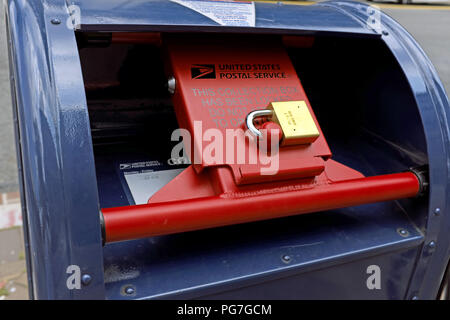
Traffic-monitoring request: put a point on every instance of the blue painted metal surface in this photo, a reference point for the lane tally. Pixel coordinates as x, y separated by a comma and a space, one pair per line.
212, 262
58, 174
165, 15
327, 250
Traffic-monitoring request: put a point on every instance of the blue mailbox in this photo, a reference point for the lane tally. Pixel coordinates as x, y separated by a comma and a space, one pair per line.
90, 102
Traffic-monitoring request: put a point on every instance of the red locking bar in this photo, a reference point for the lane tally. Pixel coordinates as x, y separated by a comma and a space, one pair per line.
132, 222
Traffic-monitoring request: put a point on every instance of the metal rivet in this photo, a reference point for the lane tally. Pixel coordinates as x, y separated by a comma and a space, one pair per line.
129, 290
56, 21
432, 245
286, 258
171, 85
403, 232
437, 211
86, 279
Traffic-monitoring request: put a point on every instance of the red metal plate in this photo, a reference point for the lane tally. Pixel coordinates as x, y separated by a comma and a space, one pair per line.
219, 82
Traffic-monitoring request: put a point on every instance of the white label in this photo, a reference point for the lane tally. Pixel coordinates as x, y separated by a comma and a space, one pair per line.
225, 13
145, 184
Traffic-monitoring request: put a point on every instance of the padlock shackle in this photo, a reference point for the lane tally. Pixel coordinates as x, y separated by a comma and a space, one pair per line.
140, 221
251, 117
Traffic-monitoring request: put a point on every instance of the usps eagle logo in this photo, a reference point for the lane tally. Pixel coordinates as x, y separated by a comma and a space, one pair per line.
203, 71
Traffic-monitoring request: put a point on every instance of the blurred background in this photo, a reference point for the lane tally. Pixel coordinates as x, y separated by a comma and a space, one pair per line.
427, 21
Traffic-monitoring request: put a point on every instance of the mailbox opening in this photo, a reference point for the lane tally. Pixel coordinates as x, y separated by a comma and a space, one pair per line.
359, 94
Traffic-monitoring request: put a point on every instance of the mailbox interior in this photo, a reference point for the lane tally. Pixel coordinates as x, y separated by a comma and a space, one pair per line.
368, 115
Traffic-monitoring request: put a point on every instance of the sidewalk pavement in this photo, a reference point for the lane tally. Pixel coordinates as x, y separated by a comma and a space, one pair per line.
13, 273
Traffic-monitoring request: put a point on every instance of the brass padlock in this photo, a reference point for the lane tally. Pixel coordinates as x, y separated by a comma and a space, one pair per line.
294, 118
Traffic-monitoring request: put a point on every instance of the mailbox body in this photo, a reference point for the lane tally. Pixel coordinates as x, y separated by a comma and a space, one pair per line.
326, 255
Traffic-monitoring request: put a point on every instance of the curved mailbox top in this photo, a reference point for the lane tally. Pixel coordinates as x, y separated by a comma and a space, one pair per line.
123, 15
